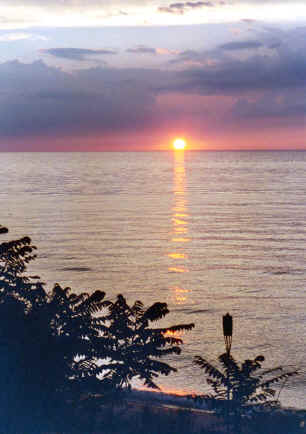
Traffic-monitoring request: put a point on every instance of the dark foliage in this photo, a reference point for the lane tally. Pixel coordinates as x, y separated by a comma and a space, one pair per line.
238, 385
134, 346
40, 334
141, 418
51, 343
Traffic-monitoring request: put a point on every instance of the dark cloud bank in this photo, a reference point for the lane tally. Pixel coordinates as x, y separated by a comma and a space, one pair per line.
38, 100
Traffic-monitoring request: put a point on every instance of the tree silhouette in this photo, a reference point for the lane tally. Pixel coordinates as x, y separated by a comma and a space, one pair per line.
56, 347
47, 344
135, 346
237, 385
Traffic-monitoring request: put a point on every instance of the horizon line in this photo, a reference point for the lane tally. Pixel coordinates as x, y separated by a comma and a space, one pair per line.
152, 150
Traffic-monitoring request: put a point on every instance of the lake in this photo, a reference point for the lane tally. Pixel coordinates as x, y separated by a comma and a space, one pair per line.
206, 232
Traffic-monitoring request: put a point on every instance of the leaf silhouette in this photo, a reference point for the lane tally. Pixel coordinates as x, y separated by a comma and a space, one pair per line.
239, 384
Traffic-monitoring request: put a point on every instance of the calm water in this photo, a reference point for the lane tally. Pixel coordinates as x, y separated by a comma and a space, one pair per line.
206, 232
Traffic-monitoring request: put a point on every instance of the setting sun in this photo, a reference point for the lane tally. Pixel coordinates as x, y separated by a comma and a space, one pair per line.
179, 144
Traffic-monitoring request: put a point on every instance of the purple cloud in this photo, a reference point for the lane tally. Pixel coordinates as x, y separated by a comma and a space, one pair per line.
181, 8
241, 45
141, 49
77, 53
39, 100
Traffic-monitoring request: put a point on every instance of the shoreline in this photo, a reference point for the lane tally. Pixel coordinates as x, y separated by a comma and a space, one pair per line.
183, 400
154, 411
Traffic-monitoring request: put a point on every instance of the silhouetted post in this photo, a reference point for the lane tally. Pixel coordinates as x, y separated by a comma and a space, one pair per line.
228, 332
228, 335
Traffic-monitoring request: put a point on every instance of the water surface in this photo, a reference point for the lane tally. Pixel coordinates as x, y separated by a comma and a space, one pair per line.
208, 233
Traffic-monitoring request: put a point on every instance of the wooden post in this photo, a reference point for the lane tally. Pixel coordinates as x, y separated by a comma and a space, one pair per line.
228, 335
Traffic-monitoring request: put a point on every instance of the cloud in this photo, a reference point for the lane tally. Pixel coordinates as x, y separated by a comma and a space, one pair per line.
36, 99
195, 5
240, 45
141, 49
255, 73
76, 53
101, 3
263, 86
181, 8
271, 105
248, 20
94, 13
229, 69
65, 3
187, 56
166, 51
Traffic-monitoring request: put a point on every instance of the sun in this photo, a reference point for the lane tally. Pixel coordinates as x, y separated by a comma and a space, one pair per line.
179, 144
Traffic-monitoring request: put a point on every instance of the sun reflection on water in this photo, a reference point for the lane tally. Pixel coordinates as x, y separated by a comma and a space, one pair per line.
179, 234
180, 207
178, 269
177, 255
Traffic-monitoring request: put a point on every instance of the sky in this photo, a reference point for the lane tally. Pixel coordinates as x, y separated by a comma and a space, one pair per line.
103, 75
